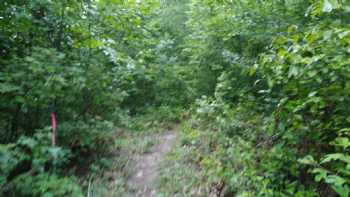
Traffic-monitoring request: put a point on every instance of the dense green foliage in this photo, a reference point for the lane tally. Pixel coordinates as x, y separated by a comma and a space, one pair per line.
89, 61
274, 121
268, 82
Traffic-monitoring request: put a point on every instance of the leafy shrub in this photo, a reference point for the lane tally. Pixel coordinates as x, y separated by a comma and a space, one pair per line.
31, 167
236, 152
308, 74
45, 184
281, 94
92, 137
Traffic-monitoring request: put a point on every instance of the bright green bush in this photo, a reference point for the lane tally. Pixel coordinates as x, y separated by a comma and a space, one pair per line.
44, 184
308, 74
70, 57
32, 167
280, 96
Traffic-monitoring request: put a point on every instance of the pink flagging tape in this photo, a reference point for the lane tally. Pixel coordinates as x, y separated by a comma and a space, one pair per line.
54, 127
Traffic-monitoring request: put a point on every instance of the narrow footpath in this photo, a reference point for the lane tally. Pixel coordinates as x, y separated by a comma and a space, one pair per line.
146, 169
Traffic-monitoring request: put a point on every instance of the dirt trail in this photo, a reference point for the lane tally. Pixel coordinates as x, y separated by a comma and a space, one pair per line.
146, 168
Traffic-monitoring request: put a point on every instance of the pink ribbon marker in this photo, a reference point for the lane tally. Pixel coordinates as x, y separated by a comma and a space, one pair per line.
53, 126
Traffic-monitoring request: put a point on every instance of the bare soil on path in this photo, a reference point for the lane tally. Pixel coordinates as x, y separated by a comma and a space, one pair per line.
146, 169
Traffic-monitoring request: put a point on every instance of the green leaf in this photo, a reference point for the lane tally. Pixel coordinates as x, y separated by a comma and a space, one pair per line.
336, 156
6, 88
320, 174
343, 142
343, 191
329, 5
308, 160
